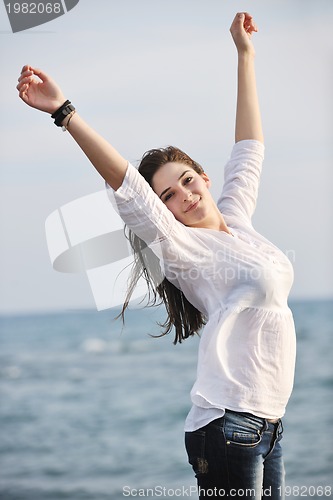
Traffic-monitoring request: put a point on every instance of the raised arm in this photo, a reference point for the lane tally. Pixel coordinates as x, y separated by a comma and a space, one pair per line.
248, 119
39, 91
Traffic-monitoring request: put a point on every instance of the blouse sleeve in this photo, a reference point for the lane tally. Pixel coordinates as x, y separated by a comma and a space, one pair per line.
241, 180
142, 210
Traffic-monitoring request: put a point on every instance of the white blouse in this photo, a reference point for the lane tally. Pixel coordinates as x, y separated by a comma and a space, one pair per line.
240, 282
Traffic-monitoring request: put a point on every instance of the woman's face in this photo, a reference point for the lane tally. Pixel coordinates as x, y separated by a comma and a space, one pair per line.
184, 192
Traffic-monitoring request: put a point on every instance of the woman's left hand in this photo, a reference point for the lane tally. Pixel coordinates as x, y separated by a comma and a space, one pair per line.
39, 90
241, 30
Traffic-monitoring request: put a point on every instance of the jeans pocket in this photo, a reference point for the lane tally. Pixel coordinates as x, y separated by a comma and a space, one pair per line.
244, 439
195, 447
242, 433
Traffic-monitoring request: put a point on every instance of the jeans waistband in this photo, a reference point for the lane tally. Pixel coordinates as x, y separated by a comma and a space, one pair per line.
259, 419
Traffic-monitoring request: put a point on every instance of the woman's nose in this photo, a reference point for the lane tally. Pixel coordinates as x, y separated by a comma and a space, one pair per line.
186, 194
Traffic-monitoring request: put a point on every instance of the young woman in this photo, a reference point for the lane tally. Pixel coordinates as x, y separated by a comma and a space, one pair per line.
209, 265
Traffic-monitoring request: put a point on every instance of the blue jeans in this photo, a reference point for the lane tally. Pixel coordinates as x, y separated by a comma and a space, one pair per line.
238, 456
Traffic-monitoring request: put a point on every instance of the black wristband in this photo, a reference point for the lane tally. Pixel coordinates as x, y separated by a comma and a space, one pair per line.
60, 114
60, 109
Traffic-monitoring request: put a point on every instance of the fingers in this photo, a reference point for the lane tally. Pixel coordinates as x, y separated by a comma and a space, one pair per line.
23, 92
26, 67
24, 81
28, 71
22, 88
249, 25
246, 21
38, 72
27, 77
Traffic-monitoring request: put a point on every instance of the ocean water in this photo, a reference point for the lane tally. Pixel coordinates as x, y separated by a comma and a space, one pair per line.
91, 411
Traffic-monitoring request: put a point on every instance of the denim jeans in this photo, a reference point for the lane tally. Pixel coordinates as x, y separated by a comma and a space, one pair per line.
238, 456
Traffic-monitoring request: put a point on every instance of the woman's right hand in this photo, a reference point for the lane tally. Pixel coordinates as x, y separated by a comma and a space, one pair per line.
241, 30
39, 91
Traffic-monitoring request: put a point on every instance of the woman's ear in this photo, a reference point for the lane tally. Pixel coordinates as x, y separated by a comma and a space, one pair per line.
206, 179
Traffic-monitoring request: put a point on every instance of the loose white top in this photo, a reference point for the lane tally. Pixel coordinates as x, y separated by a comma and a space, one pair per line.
240, 282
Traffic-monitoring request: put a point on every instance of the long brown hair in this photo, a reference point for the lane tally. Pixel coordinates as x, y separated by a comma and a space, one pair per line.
181, 314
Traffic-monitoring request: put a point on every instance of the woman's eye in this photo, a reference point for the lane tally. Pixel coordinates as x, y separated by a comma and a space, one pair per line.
167, 197
188, 179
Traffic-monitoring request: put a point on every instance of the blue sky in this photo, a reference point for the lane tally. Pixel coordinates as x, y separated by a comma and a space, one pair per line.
151, 73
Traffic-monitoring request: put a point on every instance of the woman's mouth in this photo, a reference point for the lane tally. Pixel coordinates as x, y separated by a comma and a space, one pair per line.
193, 206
